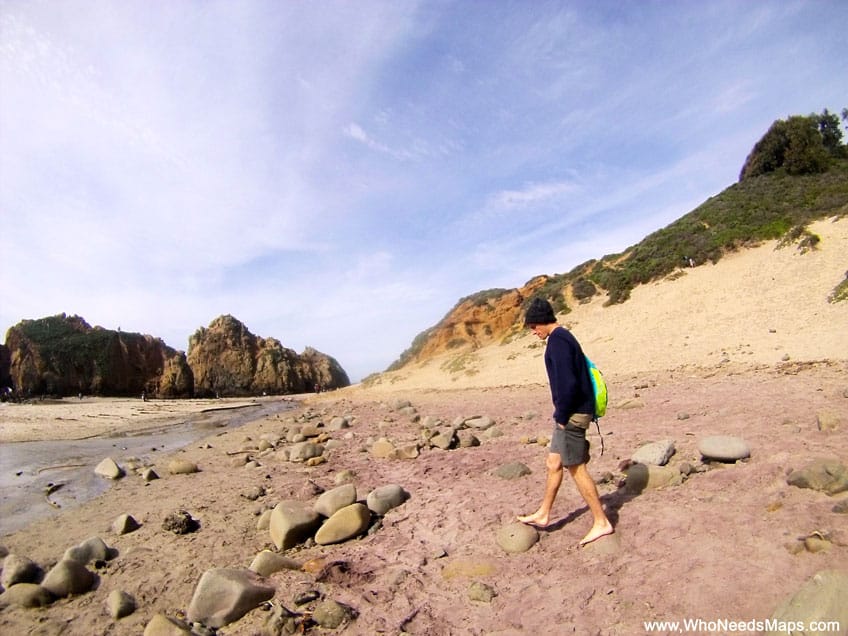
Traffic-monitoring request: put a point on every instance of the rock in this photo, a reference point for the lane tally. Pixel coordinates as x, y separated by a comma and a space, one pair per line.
347, 523
224, 595
480, 423
399, 404
481, 592
825, 475
724, 448
180, 522
344, 476
19, 569
227, 358
135, 362
382, 499
331, 614
161, 625
828, 422
109, 469
182, 467
125, 524
444, 441
119, 604
335, 499
93, 549
641, 477
291, 523
148, 474
467, 439
252, 494
513, 470
383, 449
817, 543
654, 453
68, 577
824, 597
841, 508
26, 595
468, 568
606, 545
266, 563
631, 403
338, 423
264, 521
517, 537
409, 451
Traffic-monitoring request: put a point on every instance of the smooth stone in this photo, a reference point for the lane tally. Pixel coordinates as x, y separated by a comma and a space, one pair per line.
224, 595
829, 476
161, 625
824, 597
291, 523
335, 499
267, 563
481, 592
517, 537
120, 604
125, 524
724, 448
19, 569
68, 577
654, 453
331, 614
182, 467
93, 549
641, 477
109, 469
26, 595
382, 499
513, 470
347, 523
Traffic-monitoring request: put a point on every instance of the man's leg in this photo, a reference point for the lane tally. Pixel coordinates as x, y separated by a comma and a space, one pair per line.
587, 489
553, 479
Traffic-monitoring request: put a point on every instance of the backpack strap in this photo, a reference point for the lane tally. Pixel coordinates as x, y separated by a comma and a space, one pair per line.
597, 424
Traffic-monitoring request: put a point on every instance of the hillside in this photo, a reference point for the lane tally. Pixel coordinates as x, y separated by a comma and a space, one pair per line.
766, 211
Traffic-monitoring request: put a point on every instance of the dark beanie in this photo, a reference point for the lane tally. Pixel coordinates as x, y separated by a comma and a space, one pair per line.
539, 312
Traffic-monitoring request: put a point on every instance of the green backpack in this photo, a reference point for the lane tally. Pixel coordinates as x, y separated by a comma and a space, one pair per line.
600, 388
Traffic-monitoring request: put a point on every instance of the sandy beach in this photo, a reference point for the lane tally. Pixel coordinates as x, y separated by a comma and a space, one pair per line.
749, 347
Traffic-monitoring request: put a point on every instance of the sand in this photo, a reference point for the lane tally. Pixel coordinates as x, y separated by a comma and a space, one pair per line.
749, 347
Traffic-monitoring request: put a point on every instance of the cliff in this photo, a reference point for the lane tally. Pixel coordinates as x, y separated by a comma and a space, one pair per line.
64, 355
228, 360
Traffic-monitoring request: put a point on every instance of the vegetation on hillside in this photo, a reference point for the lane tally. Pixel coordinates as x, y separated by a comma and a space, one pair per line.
795, 174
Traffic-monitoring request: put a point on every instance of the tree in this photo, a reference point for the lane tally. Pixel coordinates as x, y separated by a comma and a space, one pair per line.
830, 131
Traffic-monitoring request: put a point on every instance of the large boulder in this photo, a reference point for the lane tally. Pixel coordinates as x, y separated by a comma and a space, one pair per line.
227, 359
68, 577
64, 355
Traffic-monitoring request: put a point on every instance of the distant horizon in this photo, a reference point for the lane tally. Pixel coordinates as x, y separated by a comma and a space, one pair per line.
338, 176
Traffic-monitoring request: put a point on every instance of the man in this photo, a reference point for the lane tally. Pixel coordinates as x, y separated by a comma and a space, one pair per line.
574, 407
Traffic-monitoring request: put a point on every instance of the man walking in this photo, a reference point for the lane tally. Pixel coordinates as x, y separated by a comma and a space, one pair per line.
574, 407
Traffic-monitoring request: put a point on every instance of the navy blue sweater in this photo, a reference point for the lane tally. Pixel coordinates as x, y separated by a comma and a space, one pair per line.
568, 374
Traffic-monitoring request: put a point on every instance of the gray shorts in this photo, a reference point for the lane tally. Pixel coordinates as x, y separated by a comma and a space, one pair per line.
571, 444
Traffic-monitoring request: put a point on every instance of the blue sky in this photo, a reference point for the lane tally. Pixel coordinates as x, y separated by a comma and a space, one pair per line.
339, 174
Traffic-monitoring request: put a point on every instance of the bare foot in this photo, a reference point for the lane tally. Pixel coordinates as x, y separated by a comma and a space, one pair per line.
537, 519
597, 532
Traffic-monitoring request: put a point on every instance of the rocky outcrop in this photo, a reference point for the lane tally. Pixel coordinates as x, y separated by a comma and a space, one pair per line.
63, 355
228, 360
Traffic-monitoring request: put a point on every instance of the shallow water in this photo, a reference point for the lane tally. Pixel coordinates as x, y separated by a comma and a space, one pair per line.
66, 467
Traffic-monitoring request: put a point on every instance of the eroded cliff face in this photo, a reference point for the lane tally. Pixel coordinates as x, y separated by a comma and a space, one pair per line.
476, 321
228, 360
64, 355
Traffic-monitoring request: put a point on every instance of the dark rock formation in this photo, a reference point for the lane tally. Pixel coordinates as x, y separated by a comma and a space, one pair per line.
63, 355
227, 360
